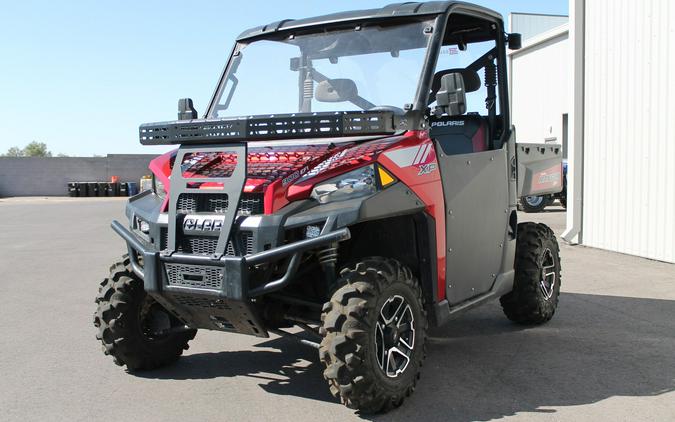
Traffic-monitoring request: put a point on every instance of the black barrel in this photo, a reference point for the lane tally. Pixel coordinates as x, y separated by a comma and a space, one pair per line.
124, 189
92, 189
73, 189
102, 188
112, 189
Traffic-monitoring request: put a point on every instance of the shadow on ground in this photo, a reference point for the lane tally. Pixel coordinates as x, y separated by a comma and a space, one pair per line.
481, 367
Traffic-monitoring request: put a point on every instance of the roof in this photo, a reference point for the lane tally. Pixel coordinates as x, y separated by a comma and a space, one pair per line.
530, 25
396, 10
540, 39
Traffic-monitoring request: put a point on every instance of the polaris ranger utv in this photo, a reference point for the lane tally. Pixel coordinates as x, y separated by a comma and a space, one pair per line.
355, 175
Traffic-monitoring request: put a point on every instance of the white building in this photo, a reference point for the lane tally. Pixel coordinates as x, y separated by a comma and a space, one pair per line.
540, 78
610, 70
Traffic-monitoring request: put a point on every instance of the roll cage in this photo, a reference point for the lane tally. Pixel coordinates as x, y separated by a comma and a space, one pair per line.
454, 23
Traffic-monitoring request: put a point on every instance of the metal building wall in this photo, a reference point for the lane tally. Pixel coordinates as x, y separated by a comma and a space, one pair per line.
531, 24
629, 127
540, 83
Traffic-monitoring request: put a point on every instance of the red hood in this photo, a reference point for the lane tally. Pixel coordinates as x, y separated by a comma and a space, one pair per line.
282, 172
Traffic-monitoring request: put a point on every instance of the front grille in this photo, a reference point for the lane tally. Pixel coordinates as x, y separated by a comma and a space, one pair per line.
251, 204
206, 245
190, 203
194, 203
198, 245
198, 276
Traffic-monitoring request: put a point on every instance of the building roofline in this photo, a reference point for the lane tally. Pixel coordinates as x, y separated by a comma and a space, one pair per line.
539, 14
539, 39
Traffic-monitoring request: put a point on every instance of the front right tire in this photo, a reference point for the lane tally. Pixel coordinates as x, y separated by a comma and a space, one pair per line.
133, 328
374, 330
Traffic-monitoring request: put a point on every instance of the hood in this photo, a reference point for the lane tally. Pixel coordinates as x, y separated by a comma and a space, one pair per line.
273, 168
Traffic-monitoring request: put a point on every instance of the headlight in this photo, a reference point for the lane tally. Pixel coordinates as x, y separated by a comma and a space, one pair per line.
356, 183
158, 187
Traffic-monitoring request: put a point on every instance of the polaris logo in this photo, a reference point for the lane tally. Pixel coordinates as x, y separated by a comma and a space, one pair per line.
448, 123
195, 223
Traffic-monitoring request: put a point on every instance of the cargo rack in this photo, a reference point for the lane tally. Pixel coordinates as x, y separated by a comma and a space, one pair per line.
282, 126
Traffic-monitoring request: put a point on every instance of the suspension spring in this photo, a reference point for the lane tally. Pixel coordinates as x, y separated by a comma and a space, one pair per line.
490, 74
308, 87
328, 255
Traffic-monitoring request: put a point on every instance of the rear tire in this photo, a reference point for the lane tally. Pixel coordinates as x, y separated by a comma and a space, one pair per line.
536, 288
534, 203
374, 332
129, 322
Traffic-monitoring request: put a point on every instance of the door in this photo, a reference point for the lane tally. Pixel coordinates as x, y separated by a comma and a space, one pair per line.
476, 190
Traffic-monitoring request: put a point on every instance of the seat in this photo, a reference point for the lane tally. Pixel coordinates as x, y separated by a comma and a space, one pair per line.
461, 134
471, 81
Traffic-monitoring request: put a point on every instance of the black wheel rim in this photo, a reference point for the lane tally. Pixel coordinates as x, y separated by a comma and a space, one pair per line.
154, 321
548, 275
394, 336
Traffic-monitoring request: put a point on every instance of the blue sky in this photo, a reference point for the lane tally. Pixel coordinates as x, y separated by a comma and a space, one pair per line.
82, 75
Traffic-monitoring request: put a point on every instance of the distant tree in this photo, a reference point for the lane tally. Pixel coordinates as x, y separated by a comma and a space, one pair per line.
14, 152
37, 149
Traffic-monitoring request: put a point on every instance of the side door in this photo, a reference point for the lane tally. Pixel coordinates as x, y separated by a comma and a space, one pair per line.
476, 190
474, 167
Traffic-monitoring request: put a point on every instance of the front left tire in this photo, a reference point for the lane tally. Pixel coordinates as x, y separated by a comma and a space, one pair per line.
374, 331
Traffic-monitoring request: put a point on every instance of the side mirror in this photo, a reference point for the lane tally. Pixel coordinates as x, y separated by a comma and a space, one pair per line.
336, 90
515, 41
186, 110
451, 96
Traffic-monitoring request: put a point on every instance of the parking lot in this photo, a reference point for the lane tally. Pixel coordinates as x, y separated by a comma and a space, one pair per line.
608, 354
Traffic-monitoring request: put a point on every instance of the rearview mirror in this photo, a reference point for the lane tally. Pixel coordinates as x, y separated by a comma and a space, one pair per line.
336, 90
186, 110
451, 97
515, 41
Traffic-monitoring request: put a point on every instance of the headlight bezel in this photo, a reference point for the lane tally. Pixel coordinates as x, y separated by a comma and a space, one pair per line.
158, 187
356, 183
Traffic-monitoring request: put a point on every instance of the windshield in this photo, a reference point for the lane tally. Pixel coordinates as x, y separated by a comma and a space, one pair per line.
362, 68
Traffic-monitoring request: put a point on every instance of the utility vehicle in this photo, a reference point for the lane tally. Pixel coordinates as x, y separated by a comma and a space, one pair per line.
355, 175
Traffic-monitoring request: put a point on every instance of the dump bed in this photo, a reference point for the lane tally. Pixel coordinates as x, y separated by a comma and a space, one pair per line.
539, 169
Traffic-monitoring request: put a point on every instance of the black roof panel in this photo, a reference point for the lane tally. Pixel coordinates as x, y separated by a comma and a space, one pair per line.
407, 9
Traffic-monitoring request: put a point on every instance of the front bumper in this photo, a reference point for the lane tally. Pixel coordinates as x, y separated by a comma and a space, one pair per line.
214, 293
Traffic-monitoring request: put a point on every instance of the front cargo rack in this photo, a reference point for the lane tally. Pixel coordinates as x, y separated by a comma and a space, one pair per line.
281, 126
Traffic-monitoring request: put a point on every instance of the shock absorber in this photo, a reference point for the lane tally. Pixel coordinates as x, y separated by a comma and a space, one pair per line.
490, 101
490, 74
490, 83
307, 92
328, 255
328, 259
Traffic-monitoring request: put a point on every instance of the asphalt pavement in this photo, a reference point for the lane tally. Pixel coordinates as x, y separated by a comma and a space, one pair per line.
608, 354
